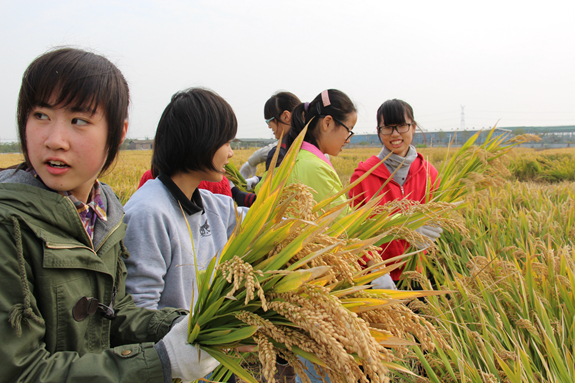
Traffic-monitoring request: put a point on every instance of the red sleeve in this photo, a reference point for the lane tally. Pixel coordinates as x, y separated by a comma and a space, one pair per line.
147, 176
222, 187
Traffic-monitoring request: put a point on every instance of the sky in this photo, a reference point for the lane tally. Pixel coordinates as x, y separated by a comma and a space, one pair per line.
510, 63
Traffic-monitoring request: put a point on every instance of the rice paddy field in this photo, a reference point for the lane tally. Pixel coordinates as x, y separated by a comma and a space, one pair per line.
508, 312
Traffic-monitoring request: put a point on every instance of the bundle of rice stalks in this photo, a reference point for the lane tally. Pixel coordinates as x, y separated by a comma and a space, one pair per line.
234, 175
289, 280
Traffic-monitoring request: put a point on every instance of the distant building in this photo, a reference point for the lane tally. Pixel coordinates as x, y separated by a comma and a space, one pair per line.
140, 144
551, 137
245, 143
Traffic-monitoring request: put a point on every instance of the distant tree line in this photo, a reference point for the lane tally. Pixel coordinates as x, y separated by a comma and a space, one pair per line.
10, 147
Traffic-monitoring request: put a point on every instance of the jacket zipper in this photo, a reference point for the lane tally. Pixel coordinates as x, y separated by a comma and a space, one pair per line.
111, 232
61, 246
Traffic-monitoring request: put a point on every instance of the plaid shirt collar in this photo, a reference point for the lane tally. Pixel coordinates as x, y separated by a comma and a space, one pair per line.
88, 212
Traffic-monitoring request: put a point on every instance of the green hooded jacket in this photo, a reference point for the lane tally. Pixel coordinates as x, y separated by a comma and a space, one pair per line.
47, 263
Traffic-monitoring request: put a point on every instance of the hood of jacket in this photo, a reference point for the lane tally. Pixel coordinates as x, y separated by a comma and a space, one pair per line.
50, 215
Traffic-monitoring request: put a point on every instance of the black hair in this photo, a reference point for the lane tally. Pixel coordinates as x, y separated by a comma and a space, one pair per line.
194, 125
69, 77
278, 103
393, 112
339, 109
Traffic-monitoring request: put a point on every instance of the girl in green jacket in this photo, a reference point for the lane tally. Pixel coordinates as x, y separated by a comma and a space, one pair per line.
65, 315
331, 117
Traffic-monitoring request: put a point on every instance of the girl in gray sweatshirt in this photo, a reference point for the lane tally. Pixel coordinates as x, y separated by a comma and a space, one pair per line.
192, 144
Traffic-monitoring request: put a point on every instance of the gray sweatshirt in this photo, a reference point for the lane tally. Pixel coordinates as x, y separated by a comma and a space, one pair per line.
161, 270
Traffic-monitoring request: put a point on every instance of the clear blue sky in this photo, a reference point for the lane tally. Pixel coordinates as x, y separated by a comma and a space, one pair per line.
512, 61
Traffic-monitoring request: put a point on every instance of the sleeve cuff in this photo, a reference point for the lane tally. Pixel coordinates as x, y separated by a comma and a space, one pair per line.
164, 360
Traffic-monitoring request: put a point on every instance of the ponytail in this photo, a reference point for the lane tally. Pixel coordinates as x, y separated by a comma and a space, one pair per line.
331, 102
280, 102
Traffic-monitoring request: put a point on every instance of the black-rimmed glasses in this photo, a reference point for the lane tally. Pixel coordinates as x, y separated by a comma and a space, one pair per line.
351, 133
388, 129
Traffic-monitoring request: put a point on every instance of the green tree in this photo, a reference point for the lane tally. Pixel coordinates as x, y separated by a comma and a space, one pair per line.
518, 131
10, 147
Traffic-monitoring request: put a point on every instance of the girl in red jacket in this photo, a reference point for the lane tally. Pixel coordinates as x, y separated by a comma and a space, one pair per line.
395, 127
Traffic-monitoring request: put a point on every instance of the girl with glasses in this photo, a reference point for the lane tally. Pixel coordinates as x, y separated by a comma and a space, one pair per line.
331, 117
396, 126
277, 115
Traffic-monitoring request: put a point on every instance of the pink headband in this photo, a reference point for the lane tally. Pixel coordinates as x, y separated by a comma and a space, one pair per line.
325, 98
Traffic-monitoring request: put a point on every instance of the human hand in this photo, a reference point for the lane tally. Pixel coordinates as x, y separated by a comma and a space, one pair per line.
187, 362
252, 182
431, 232
384, 282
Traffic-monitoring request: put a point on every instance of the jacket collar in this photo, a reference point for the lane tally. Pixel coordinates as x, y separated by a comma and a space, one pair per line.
315, 151
32, 198
193, 206
383, 172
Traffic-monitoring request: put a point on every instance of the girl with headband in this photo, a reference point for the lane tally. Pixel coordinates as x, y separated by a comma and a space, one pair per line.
331, 117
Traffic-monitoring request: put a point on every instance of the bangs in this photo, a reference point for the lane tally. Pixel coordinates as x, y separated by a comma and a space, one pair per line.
77, 80
270, 108
227, 121
280, 102
68, 85
392, 114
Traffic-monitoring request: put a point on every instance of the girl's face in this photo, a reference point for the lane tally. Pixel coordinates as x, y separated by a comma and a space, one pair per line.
334, 136
221, 159
280, 125
396, 142
67, 147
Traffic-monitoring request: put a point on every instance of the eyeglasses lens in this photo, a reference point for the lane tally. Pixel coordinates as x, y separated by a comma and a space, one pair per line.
386, 130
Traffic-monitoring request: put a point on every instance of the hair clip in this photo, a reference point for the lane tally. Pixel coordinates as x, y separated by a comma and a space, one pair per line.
325, 98
305, 106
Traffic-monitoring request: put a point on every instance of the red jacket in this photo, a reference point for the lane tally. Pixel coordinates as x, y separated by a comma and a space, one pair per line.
420, 173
